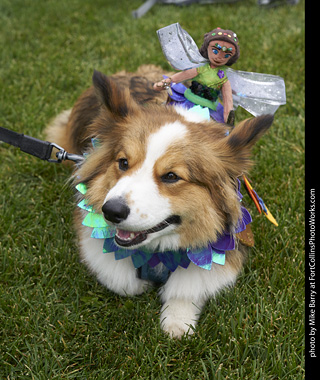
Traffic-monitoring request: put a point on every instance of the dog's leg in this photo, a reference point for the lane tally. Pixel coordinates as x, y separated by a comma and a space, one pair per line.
179, 316
187, 291
119, 276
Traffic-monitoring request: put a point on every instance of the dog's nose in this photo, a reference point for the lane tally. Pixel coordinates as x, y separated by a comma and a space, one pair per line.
116, 210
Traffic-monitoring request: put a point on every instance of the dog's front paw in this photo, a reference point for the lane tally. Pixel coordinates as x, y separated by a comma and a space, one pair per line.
176, 328
179, 317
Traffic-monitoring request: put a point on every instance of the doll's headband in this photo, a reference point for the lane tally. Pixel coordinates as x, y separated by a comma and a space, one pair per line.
222, 35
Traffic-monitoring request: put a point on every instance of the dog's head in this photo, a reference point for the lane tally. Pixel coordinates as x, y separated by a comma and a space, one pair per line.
166, 178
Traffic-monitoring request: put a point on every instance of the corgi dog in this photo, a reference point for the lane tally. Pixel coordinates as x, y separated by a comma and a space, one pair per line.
158, 191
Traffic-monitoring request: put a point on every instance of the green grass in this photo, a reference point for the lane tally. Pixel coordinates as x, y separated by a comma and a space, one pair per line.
56, 321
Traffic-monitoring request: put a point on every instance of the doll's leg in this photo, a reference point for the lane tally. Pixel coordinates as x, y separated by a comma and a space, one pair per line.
231, 118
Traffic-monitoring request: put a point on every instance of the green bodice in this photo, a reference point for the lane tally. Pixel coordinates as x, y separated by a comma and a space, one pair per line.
213, 78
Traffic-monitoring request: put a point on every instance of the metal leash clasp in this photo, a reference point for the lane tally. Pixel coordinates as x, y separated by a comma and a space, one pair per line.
167, 87
63, 155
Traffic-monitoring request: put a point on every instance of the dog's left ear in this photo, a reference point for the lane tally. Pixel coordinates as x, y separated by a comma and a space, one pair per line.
117, 100
244, 136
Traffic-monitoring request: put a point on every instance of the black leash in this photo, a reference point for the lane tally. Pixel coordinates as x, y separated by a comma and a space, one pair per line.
37, 148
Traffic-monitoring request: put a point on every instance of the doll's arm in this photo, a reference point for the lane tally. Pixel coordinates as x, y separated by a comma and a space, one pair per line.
227, 100
181, 76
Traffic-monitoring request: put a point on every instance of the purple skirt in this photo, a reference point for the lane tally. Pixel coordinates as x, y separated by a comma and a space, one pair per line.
178, 98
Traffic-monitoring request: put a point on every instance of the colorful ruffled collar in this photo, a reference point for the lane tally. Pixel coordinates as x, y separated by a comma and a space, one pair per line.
214, 252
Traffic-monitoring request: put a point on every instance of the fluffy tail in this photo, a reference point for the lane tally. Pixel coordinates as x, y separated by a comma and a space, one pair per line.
56, 131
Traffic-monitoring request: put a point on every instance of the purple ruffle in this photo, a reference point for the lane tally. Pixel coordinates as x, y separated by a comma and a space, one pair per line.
178, 98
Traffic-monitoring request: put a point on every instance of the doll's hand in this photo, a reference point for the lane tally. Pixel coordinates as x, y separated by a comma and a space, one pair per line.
158, 86
162, 85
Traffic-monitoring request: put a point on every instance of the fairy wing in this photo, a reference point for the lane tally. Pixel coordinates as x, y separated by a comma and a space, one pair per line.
257, 93
179, 48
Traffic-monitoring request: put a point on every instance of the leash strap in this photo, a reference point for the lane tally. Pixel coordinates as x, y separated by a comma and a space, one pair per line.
38, 148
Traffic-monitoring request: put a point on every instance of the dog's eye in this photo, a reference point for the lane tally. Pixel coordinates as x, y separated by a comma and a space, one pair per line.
170, 178
123, 164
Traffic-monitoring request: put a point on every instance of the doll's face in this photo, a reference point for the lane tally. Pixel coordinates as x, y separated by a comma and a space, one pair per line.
219, 52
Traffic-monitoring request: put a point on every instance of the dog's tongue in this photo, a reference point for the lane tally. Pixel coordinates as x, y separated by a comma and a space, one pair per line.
129, 238
126, 235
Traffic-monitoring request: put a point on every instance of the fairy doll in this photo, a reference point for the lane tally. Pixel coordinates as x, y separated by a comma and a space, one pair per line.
212, 80
211, 75
221, 49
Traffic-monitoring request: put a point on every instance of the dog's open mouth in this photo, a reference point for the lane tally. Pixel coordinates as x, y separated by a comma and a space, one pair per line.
129, 238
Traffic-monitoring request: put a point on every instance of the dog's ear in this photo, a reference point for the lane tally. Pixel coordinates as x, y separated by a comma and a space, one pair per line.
244, 136
248, 132
117, 100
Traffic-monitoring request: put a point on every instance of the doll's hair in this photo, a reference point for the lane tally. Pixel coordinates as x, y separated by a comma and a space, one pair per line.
222, 35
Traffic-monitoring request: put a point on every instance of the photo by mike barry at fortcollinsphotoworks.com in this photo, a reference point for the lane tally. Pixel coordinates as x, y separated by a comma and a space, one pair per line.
311, 290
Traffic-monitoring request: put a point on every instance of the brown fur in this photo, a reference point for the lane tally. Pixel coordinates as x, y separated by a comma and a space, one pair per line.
72, 133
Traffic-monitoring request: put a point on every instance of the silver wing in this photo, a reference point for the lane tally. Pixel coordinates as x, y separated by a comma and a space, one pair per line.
179, 48
257, 93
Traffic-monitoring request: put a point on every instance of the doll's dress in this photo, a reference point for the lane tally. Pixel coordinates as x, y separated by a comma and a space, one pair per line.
204, 91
